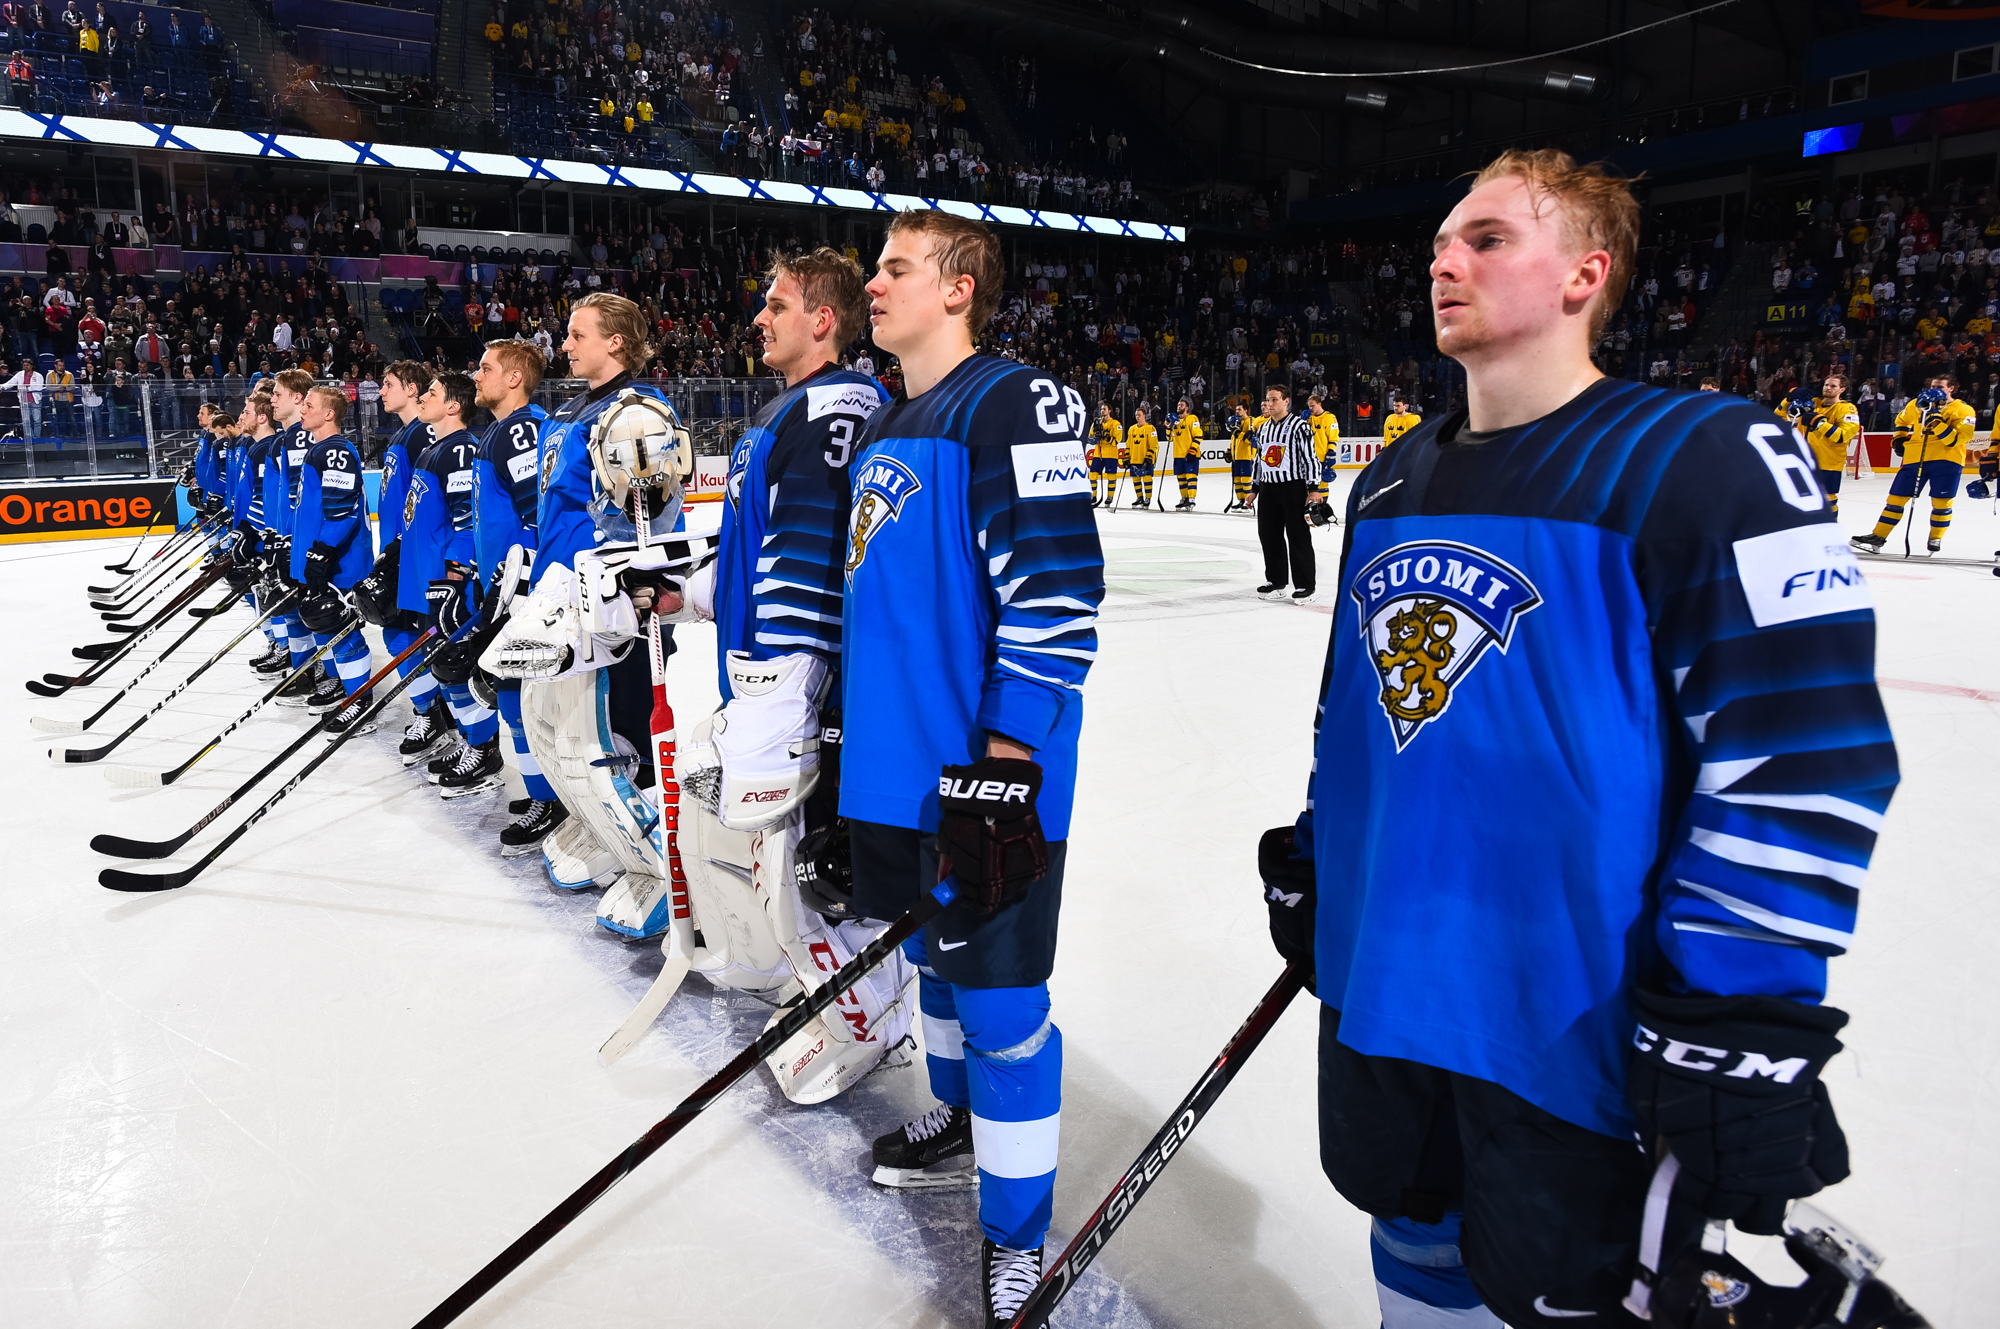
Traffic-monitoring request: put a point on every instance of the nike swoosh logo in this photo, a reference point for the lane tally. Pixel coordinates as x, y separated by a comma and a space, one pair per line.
1358, 507
953, 945
1542, 1306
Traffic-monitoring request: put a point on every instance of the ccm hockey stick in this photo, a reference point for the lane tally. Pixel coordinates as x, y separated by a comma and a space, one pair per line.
124, 567
73, 756
1159, 1151
119, 880
54, 685
201, 617
794, 1019
132, 779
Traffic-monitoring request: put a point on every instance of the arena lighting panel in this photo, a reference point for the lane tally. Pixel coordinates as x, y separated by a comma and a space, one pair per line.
18, 124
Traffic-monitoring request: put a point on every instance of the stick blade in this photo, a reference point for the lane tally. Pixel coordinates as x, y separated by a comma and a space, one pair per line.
117, 846
97, 650
127, 628
128, 778
41, 689
143, 882
648, 1010
56, 726
66, 756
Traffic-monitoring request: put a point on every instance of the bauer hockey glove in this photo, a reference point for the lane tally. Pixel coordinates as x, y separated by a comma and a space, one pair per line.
1292, 896
451, 602
989, 838
1732, 1086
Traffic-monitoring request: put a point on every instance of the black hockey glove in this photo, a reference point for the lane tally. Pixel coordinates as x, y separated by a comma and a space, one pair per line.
451, 602
1292, 896
989, 838
321, 563
1732, 1085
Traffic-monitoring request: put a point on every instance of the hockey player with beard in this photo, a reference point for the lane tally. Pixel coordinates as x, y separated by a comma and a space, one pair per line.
1574, 1014
974, 577
769, 876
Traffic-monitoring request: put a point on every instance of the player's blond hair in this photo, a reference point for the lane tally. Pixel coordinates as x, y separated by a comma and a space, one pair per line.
1597, 209
962, 248
518, 354
296, 381
334, 399
619, 317
828, 279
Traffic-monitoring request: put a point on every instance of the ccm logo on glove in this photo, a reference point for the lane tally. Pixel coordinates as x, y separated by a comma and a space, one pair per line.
983, 791
1695, 1057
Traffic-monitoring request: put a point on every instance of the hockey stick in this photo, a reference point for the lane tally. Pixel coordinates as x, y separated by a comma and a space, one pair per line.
201, 618
1932, 560
118, 879
133, 779
72, 756
130, 572
146, 578
135, 605
97, 650
1090, 1241
54, 685
125, 568
789, 1023
679, 948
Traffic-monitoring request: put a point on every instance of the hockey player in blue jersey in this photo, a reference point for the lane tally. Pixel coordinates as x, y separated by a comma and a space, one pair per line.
774, 591
403, 385
435, 565
282, 454
1599, 766
331, 548
974, 577
505, 492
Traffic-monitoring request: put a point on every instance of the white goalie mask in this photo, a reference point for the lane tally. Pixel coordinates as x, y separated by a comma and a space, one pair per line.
639, 443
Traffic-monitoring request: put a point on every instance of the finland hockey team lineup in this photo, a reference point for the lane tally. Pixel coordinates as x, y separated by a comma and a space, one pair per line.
870, 835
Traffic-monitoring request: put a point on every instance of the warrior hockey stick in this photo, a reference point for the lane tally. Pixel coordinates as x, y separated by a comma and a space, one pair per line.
131, 779
73, 756
119, 880
679, 947
1152, 1160
201, 617
794, 1019
54, 685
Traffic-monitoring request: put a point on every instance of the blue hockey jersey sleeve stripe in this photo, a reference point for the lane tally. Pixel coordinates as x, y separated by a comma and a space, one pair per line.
1762, 854
1859, 814
1770, 921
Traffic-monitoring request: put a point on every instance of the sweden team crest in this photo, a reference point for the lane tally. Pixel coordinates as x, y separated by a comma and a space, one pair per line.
880, 487
1428, 611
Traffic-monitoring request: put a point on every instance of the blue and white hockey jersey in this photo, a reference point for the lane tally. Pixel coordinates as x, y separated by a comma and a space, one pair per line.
275, 463
564, 522
333, 510
778, 578
208, 464
973, 582
437, 519
398, 463
505, 490
1599, 712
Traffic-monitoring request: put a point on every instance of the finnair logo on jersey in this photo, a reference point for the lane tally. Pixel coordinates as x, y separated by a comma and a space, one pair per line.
881, 488
1800, 572
841, 399
1428, 611
1046, 470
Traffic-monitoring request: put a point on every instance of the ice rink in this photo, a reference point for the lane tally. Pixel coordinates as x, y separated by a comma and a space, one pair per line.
329, 1080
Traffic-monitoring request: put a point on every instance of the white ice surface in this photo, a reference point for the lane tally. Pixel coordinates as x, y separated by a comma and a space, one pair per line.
325, 1083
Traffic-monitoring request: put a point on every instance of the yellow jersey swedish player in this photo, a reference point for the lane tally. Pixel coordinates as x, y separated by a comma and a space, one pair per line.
1619, 621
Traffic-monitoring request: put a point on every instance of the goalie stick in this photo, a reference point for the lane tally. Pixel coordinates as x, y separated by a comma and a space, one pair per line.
117, 846
117, 879
69, 756
54, 685
201, 617
1116, 1207
124, 567
714, 1087
135, 779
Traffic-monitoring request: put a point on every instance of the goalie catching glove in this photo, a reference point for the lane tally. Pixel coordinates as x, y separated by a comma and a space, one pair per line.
989, 836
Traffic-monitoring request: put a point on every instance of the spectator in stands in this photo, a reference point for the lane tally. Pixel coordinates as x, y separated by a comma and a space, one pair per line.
21, 81
14, 14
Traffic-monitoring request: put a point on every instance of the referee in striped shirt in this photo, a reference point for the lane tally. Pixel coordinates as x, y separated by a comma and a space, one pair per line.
1286, 469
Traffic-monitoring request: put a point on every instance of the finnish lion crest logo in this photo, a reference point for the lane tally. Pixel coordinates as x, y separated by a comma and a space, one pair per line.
1428, 611
881, 486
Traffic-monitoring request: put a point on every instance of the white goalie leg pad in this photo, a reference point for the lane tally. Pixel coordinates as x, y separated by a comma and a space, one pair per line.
737, 947
574, 860
768, 737
868, 1027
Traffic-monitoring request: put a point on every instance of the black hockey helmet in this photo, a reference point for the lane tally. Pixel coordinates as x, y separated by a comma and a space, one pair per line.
322, 609
823, 867
375, 594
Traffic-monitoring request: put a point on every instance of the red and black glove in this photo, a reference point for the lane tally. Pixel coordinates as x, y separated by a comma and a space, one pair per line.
989, 838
